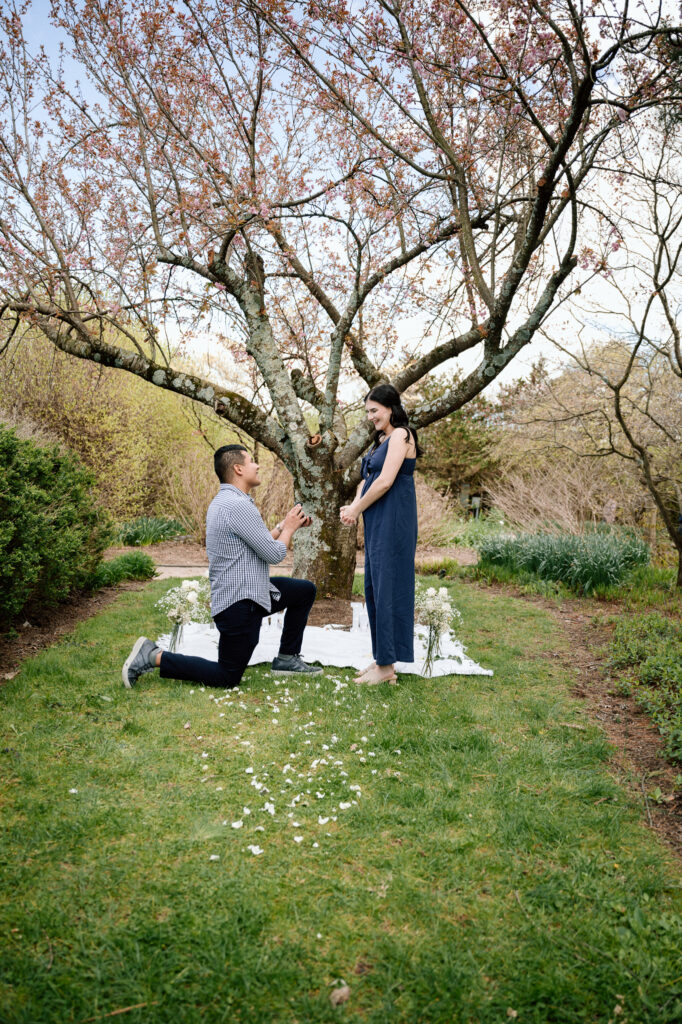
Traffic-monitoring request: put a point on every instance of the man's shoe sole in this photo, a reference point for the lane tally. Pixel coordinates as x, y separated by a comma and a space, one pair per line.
129, 660
296, 671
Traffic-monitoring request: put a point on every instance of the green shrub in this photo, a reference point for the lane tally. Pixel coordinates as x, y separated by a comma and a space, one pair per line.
134, 565
597, 558
438, 567
472, 533
639, 637
650, 647
148, 530
646, 587
52, 534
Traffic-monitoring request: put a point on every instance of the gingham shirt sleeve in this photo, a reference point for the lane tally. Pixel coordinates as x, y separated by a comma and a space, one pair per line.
246, 522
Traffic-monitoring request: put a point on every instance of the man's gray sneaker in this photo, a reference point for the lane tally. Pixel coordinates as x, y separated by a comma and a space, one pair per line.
288, 664
140, 660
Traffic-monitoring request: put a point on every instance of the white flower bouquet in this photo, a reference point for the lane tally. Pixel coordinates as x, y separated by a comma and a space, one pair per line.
433, 609
190, 602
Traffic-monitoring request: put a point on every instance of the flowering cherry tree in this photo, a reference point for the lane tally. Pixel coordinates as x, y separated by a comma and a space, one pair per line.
301, 181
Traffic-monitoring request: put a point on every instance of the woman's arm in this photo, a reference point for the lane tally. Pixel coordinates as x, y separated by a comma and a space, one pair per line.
398, 447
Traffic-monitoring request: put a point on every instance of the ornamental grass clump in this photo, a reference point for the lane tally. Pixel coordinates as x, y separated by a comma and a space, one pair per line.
583, 563
433, 609
148, 530
133, 565
190, 602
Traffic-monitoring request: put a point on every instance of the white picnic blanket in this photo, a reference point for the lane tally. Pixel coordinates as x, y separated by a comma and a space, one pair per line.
333, 645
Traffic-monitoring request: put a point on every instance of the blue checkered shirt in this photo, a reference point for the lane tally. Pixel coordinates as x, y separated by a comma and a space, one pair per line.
240, 551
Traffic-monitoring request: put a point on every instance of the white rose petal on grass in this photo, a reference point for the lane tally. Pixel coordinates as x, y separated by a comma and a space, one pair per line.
214, 856
255, 850
298, 839
322, 821
249, 771
270, 808
237, 824
73, 791
344, 805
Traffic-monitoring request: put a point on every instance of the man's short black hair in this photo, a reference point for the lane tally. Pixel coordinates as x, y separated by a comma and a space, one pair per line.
225, 458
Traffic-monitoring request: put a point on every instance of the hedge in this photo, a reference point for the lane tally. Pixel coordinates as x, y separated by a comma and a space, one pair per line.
52, 534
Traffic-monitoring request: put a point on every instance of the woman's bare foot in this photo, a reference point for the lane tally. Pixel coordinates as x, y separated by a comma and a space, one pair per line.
361, 675
378, 674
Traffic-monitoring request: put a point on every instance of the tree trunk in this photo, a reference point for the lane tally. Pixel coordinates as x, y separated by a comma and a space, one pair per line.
325, 551
679, 567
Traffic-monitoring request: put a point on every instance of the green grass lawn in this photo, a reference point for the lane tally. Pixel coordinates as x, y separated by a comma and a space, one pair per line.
452, 849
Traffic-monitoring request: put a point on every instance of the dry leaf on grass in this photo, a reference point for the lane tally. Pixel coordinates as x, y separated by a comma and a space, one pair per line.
363, 967
339, 995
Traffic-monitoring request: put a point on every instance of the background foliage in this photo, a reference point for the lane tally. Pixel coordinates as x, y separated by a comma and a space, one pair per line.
149, 450
52, 533
597, 558
649, 648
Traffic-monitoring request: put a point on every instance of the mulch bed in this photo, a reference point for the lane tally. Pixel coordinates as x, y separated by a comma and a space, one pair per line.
331, 610
43, 627
172, 552
639, 759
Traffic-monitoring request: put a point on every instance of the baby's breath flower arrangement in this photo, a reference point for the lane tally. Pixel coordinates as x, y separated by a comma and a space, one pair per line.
433, 609
190, 602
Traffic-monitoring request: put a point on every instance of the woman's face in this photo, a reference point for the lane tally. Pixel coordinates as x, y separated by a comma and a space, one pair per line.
378, 415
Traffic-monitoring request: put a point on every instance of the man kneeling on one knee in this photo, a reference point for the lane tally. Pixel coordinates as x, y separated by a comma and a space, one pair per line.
240, 550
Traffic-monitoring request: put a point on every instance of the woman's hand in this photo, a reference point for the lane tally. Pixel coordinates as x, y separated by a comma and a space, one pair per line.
349, 515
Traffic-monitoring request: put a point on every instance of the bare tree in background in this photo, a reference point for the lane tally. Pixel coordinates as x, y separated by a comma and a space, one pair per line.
636, 377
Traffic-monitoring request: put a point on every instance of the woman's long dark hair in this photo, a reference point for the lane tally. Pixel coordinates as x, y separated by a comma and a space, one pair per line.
386, 395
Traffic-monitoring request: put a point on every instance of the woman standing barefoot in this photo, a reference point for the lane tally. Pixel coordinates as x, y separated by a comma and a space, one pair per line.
389, 507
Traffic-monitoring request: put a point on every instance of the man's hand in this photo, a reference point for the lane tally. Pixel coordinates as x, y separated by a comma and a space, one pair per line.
292, 522
296, 518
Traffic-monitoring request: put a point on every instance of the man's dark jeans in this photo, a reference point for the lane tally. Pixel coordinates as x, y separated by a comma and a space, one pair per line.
239, 629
